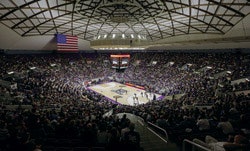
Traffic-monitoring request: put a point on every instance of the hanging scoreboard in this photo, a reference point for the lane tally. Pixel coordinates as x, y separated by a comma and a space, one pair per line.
120, 61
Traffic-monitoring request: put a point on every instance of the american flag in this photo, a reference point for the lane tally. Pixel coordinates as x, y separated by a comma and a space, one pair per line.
67, 43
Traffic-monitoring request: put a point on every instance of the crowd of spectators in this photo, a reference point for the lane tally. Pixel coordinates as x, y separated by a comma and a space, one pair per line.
55, 85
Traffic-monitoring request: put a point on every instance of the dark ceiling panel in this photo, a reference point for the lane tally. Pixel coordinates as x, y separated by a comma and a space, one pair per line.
156, 19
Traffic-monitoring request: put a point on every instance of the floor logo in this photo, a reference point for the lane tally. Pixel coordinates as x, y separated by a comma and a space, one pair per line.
120, 91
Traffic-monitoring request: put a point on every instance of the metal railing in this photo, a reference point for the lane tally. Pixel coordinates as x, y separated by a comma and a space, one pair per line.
194, 146
160, 129
141, 120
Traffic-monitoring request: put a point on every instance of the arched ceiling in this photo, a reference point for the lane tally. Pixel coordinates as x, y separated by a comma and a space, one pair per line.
156, 19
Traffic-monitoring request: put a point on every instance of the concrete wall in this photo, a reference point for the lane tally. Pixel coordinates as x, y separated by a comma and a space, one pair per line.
11, 40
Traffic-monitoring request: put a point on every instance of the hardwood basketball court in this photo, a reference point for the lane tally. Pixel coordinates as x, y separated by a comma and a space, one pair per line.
124, 94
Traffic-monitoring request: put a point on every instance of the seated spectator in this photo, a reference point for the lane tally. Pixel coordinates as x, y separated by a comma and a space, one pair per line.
161, 122
187, 122
38, 145
132, 139
225, 126
114, 138
244, 122
26, 144
102, 136
4, 135
203, 123
90, 134
125, 130
233, 142
240, 143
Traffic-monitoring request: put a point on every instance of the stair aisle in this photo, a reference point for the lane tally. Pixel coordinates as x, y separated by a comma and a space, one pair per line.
149, 140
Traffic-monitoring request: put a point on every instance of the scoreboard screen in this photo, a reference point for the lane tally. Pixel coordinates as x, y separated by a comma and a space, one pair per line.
115, 63
120, 61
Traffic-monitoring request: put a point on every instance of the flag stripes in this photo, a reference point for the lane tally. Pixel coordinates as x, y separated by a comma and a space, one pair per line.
67, 43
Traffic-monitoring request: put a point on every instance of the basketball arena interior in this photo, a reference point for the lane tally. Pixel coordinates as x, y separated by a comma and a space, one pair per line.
127, 75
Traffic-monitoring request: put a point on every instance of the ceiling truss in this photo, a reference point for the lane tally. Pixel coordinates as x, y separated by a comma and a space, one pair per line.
159, 19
